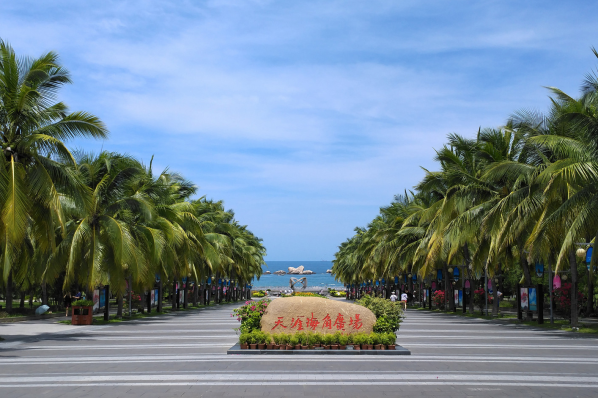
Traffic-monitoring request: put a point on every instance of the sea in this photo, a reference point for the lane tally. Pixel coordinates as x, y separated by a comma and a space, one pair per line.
319, 279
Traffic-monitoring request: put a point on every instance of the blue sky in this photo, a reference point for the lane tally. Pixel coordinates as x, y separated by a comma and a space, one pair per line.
304, 116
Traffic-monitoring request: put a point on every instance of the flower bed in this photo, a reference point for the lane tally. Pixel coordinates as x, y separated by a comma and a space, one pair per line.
438, 299
306, 294
250, 315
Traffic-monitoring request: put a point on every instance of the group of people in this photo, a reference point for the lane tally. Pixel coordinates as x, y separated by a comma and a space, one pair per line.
68, 300
405, 298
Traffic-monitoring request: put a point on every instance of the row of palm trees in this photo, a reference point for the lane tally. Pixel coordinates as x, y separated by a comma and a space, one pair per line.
511, 196
86, 219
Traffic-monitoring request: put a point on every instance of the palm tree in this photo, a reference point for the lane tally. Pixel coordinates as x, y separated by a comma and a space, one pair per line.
34, 176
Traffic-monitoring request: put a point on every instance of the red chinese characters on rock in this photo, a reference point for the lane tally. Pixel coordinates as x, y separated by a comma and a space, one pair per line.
339, 323
279, 323
297, 323
356, 323
311, 323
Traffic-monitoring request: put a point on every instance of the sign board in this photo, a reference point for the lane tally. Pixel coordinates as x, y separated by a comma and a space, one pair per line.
153, 297
533, 305
156, 296
102, 298
456, 297
539, 270
460, 298
524, 299
589, 255
96, 300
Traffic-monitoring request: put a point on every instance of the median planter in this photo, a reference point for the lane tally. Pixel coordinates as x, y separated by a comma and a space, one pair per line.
82, 315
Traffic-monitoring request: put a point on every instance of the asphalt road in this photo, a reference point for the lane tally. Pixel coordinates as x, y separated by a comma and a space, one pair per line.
184, 354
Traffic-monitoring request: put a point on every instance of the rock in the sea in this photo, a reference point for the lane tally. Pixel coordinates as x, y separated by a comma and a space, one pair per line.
293, 314
308, 272
280, 272
296, 271
267, 273
329, 271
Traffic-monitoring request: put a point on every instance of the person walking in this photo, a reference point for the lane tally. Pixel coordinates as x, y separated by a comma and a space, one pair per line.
393, 297
67, 302
404, 298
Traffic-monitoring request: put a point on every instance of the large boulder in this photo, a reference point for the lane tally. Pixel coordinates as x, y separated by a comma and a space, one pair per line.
296, 271
315, 314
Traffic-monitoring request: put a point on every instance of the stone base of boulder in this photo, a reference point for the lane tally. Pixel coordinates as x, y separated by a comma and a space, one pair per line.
236, 349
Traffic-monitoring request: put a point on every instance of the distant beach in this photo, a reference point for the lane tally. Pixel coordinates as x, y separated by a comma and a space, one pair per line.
320, 279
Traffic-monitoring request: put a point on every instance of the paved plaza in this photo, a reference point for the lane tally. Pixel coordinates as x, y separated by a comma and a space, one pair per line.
184, 354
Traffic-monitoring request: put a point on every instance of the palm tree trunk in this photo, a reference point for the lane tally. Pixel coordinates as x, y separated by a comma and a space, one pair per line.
9, 292
469, 276
22, 297
174, 294
44, 294
447, 286
573, 265
195, 292
495, 304
119, 308
523, 263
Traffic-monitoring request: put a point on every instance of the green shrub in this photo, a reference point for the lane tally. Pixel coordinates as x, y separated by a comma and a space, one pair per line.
350, 339
284, 338
375, 338
369, 338
313, 339
250, 315
305, 338
359, 338
267, 338
276, 338
328, 339
300, 336
318, 338
337, 337
388, 314
390, 339
294, 340
343, 339
244, 338
252, 337
83, 303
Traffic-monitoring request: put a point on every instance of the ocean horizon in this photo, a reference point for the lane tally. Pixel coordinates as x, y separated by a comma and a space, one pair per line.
319, 279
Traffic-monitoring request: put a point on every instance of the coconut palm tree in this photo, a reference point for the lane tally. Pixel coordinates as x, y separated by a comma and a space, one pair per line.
34, 173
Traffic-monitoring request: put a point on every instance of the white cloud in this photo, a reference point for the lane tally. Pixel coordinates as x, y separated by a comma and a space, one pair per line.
303, 116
